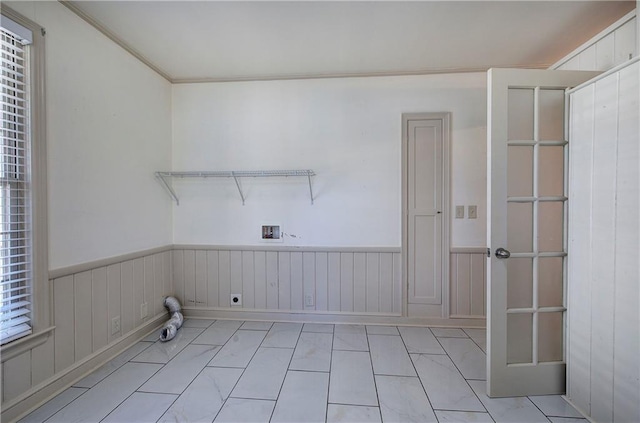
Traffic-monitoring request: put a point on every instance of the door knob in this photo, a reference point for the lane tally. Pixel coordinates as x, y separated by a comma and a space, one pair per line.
501, 253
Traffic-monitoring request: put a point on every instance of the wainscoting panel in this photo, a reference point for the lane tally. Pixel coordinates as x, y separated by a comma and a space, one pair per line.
85, 300
468, 283
330, 280
613, 46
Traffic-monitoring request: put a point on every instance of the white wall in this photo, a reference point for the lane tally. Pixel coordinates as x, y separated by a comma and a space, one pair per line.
108, 130
347, 130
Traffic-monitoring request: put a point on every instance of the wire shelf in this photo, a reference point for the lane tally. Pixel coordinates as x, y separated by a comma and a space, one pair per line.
165, 177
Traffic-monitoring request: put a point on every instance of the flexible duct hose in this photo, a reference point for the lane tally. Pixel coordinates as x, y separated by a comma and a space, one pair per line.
170, 328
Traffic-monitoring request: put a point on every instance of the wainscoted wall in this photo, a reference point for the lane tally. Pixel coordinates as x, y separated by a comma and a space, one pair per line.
603, 340
468, 283
85, 300
613, 46
280, 278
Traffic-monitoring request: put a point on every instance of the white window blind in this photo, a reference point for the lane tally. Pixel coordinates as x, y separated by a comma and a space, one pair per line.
15, 195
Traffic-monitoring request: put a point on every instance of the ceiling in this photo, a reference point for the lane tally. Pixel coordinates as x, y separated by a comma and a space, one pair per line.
239, 40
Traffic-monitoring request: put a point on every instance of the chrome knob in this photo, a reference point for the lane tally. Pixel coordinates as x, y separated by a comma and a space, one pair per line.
501, 253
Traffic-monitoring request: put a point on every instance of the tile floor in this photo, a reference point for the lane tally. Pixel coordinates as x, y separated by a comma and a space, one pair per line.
233, 371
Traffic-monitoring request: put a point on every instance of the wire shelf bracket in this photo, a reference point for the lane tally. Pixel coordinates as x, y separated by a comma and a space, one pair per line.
165, 178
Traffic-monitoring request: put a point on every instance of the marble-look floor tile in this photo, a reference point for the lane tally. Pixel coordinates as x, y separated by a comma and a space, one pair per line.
99, 401
313, 352
420, 340
111, 366
351, 379
469, 358
382, 330
237, 352
402, 399
303, 398
318, 327
283, 335
162, 352
218, 333
256, 325
152, 337
479, 336
444, 384
350, 338
141, 407
556, 406
339, 413
448, 333
242, 410
264, 375
202, 400
389, 356
197, 323
463, 417
508, 410
567, 420
181, 370
52, 406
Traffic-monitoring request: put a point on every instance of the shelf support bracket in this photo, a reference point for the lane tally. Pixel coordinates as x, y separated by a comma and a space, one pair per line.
168, 187
310, 189
235, 178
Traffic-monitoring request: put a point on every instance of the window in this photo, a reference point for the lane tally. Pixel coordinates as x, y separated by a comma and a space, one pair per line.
17, 185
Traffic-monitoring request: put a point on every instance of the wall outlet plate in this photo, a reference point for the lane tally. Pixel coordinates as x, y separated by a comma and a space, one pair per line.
473, 212
308, 300
115, 325
459, 212
236, 300
143, 310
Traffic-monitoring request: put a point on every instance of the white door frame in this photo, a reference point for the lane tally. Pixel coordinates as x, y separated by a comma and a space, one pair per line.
445, 117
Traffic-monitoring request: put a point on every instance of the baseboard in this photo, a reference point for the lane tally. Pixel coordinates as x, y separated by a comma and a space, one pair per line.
33, 398
328, 317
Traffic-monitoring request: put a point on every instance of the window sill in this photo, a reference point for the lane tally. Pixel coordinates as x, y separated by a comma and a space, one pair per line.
19, 346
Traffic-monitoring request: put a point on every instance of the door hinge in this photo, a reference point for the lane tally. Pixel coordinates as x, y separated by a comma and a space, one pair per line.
488, 252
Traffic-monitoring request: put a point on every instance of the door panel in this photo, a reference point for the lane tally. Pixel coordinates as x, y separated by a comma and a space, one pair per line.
425, 178
527, 199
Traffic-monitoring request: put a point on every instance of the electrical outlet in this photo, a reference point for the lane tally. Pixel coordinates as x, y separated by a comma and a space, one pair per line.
473, 212
143, 310
308, 300
115, 325
459, 212
236, 299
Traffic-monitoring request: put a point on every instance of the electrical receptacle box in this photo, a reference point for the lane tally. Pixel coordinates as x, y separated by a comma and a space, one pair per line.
459, 212
143, 310
271, 233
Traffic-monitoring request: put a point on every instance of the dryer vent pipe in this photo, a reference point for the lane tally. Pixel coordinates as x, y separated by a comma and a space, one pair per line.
170, 328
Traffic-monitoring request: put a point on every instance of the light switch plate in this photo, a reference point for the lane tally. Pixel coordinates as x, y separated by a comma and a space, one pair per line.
459, 212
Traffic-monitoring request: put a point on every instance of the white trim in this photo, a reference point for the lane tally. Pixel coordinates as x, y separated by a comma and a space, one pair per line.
610, 29
287, 248
113, 37
19, 346
83, 267
604, 74
327, 317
